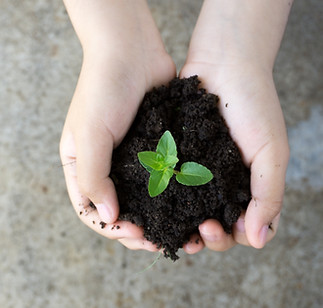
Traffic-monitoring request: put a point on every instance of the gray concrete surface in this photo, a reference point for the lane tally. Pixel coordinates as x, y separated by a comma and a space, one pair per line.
48, 258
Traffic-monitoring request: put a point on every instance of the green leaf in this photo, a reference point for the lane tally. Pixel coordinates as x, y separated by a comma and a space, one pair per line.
151, 161
158, 181
171, 161
194, 174
166, 145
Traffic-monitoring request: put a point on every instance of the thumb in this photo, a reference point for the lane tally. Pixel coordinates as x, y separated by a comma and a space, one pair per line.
268, 172
94, 147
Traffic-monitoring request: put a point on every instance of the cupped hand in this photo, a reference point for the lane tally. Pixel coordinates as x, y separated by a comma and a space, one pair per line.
250, 107
124, 58
233, 50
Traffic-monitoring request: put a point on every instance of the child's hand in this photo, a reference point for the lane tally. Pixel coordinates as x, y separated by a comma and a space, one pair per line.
232, 50
123, 59
250, 106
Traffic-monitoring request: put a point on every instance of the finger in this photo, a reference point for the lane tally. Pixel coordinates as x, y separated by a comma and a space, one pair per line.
94, 146
268, 172
68, 158
194, 245
214, 236
117, 230
138, 244
239, 231
88, 215
69, 162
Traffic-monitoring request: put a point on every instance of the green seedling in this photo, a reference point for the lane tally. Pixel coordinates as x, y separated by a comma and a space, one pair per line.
161, 164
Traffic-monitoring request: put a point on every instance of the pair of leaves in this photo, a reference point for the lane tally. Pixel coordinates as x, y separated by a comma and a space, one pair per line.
161, 164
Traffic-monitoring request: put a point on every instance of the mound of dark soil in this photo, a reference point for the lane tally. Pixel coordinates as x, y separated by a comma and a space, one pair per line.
201, 135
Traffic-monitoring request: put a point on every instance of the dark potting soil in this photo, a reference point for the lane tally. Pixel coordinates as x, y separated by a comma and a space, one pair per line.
201, 135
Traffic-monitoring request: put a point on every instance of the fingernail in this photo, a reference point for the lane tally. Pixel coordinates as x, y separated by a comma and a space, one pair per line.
104, 213
240, 225
263, 235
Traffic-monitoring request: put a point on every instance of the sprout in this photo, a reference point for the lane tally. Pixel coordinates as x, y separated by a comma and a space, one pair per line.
161, 164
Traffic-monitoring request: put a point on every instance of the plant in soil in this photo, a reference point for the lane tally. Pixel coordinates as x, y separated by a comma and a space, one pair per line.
200, 140
161, 164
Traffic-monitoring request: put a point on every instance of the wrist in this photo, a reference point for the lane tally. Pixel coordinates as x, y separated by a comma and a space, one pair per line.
247, 31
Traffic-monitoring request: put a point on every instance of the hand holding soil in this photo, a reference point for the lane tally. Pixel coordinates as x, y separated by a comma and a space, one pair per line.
238, 67
124, 58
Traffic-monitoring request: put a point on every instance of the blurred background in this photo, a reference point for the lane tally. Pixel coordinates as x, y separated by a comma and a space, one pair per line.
48, 258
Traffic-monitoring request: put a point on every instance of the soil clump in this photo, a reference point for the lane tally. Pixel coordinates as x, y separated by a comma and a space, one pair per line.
202, 136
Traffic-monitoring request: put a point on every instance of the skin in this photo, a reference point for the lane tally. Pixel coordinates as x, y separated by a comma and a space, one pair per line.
238, 66
124, 57
232, 50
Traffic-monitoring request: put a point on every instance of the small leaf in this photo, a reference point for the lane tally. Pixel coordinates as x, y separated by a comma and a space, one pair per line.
171, 161
194, 174
166, 145
158, 181
151, 161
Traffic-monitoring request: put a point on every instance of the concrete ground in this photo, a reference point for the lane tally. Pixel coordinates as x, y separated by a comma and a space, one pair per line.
48, 258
